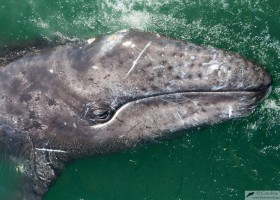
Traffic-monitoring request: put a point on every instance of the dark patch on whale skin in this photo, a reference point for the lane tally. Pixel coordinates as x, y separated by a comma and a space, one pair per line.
25, 97
80, 60
14, 109
54, 104
32, 115
51, 101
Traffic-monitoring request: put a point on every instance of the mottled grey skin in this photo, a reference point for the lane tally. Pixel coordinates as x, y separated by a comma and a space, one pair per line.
112, 94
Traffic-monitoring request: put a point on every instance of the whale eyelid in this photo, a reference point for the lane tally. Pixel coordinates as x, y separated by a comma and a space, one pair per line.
100, 111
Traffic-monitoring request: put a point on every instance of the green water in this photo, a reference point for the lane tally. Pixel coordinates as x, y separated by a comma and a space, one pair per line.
217, 162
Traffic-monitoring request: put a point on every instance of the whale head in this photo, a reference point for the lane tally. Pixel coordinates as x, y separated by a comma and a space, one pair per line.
115, 92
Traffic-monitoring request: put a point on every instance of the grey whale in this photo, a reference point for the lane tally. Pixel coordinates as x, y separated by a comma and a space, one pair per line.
113, 93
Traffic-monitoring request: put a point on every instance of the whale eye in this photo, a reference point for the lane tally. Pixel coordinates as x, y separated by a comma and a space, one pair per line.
97, 115
101, 114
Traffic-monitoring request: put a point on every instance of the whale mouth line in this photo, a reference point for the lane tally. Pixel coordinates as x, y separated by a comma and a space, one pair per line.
260, 94
261, 91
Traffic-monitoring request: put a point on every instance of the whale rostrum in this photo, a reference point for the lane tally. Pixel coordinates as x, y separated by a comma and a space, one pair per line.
112, 93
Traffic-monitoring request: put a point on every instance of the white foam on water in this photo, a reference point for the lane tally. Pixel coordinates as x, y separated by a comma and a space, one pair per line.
83, 21
252, 126
271, 104
124, 14
40, 23
65, 37
135, 19
270, 148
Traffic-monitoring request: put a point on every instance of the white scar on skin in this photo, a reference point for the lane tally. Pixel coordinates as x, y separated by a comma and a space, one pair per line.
139, 56
229, 111
51, 150
146, 54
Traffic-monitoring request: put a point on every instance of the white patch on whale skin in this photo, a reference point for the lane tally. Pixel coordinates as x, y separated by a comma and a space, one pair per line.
193, 58
14, 120
129, 44
212, 66
111, 41
113, 38
51, 71
158, 67
74, 125
123, 31
94, 67
91, 40
216, 88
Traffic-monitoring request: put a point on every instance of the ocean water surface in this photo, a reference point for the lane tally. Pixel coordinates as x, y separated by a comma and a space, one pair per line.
215, 162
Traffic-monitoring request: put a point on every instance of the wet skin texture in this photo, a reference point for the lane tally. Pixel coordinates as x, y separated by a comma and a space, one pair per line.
113, 93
